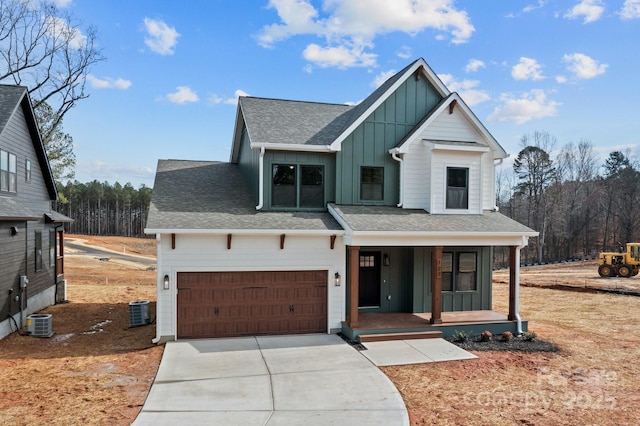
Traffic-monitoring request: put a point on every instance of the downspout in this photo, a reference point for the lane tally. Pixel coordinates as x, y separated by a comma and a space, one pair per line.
394, 155
261, 180
495, 166
517, 292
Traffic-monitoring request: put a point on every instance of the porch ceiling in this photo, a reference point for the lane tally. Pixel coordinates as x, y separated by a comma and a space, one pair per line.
392, 226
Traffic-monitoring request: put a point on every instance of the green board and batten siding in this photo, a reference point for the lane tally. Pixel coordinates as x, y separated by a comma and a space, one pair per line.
371, 141
300, 158
249, 163
453, 301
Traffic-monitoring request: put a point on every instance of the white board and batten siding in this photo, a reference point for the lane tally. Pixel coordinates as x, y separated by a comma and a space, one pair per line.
425, 167
209, 253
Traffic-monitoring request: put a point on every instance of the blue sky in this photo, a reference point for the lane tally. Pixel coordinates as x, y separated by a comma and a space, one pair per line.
174, 69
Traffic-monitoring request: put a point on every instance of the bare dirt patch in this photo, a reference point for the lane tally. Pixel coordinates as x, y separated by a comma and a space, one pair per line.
95, 369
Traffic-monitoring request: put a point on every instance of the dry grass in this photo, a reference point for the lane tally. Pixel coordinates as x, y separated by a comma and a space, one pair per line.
592, 381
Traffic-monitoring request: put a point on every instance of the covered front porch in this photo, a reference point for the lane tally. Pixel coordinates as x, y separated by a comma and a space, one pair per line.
382, 326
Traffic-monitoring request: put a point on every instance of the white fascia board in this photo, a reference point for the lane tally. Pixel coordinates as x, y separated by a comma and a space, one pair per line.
246, 231
431, 76
292, 147
340, 220
437, 239
415, 136
462, 148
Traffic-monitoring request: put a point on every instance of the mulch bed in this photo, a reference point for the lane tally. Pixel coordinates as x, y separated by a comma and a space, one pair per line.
516, 344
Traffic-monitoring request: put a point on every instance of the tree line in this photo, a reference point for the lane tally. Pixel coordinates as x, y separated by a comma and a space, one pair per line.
99, 208
579, 206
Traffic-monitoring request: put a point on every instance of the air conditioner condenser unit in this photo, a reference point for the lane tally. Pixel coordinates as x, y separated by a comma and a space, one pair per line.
39, 325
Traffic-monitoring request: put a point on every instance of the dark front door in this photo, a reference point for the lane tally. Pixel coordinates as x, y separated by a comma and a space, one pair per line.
369, 279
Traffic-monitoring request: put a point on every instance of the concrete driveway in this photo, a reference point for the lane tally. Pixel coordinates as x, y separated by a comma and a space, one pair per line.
280, 380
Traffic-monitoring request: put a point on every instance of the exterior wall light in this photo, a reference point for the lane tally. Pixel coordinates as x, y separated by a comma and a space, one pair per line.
337, 278
165, 282
386, 260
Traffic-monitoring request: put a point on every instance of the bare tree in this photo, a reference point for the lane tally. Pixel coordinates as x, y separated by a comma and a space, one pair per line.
43, 48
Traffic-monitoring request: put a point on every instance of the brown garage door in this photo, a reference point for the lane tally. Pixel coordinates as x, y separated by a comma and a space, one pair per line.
222, 304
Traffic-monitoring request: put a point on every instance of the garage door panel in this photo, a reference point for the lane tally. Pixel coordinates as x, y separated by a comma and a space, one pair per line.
218, 304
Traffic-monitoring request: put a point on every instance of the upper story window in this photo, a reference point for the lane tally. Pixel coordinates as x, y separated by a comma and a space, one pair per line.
457, 188
27, 170
297, 186
8, 172
372, 183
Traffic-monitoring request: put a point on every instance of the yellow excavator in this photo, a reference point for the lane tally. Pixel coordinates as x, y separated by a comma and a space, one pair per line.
621, 264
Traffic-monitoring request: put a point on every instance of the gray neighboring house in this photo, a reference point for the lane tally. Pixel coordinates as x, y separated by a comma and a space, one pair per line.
371, 219
31, 232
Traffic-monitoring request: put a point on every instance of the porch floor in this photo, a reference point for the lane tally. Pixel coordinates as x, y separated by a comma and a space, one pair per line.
402, 322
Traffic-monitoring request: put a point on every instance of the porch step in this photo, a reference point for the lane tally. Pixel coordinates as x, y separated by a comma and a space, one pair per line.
400, 336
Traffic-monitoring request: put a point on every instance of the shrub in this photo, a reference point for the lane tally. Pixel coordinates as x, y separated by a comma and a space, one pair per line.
529, 335
507, 336
460, 336
486, 336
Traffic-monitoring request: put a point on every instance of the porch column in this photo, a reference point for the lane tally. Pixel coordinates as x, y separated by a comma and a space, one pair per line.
514, 264
436, 285
354, 280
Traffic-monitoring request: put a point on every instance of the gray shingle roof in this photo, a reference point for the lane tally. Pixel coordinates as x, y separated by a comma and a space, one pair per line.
10, 97
393, 219
10, 209
199, 195
276, 121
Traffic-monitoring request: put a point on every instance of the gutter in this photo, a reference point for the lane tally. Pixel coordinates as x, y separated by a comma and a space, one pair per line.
261, 180
394, 155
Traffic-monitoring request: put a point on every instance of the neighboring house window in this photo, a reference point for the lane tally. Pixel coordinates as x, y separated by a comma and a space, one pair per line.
459, 275
372, 183
52, 248
38, 243
8, 172
457, 188
289, 191
27, 171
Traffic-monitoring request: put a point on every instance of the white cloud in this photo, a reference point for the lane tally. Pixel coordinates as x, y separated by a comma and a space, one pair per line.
630, 9
183, 95
474, 65
59, 28
103, 171
339, 56
532, 7
350, 26
527, 69
531, 105
161, 38
62, 3
404, 52
584, 67
591, 10
382, 77
466, 89
561, 79
215, 99
108, 83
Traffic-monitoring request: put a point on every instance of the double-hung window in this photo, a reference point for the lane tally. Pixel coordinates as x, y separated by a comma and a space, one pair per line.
8, 172
457, 188
297, 186
372, 183
459, 271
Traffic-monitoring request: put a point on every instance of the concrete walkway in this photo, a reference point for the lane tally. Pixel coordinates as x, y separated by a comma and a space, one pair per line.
281, 380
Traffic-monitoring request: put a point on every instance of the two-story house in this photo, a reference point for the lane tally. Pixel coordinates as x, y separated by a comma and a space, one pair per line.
361, 219
31, 233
